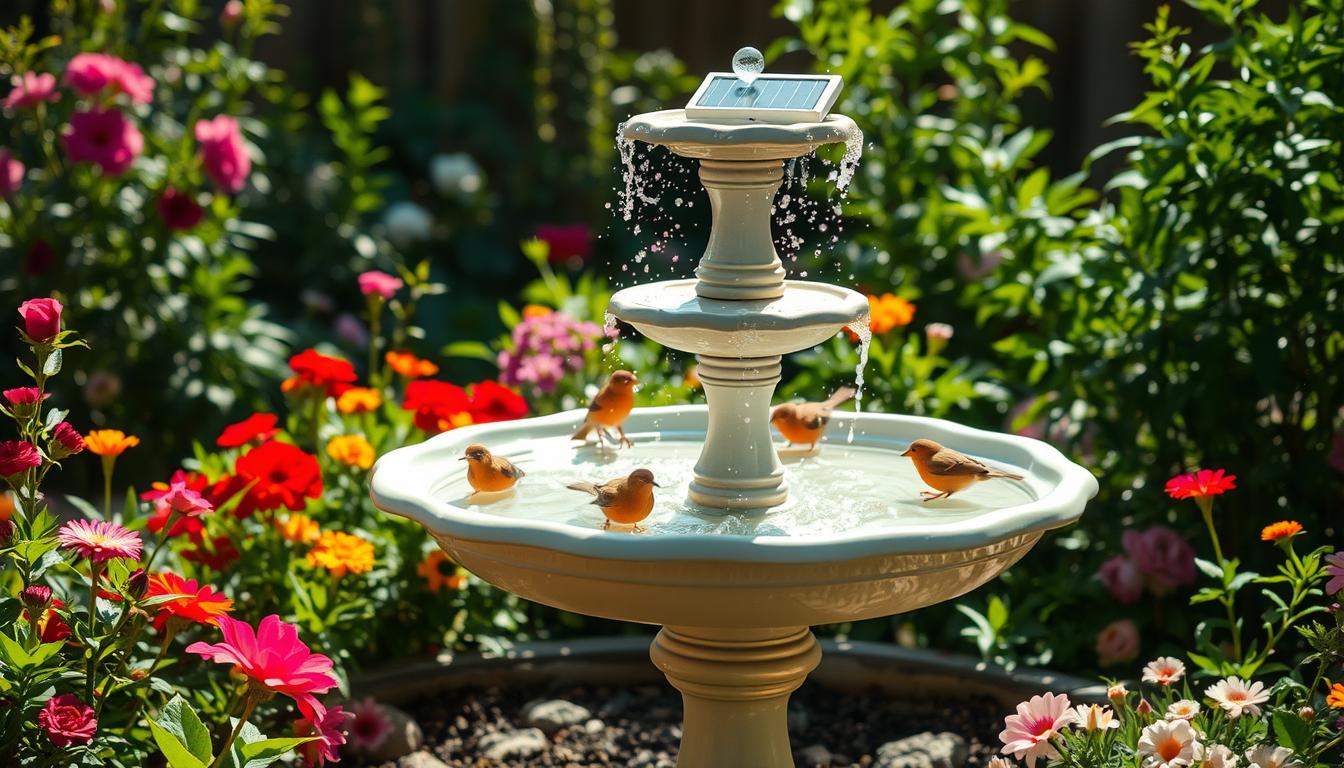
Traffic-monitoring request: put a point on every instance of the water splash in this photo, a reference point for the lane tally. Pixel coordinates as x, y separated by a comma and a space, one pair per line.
862, 329
610, 331
631, 179
850, 162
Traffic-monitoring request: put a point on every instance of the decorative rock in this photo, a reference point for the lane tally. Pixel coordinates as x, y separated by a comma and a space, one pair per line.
523, 743
421, 760
594, 726
405, 737
813, 756
555, 714
925, 750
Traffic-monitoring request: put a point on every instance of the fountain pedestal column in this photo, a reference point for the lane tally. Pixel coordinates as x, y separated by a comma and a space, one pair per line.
738, 467
740, 261
735, 686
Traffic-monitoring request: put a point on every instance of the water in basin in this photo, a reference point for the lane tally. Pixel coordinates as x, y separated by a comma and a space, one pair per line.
841, 489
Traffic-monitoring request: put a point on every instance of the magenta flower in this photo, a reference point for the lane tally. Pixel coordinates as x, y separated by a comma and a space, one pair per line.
23, 401
1201, 484
1027, 734
1122, 578
370, 728
17, 457
546, 347
67, 721
11, 173
31, 89
566, 244
1164, 557
105, 138
223, 152
178, 210
1334, 567
379, 283
329, 727
89, 73
182, 499
273, 658
65, 441
41, 318
99, 540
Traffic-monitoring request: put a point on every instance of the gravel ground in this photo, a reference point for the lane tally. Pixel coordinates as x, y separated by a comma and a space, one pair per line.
640, 727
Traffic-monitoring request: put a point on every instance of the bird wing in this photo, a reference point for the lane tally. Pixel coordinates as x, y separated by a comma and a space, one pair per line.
814, 415
949, 462
508, 468
585, 487
841, 395
608, 492
599, 400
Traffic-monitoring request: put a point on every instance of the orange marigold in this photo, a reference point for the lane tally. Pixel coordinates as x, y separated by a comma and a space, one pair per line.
300, 529
536, 310
340, 553
410, 366
1336, 697
359, 400
351, 450
889, 311
188, 600
109, 442
6, 506
1280, 530
439, 571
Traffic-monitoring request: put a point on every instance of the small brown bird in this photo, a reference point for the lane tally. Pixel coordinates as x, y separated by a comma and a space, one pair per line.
947, 470
806, 422
625, 500
610, 408
487, 472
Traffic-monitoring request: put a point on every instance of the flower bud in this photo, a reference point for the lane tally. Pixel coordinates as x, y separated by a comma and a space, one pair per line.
1117, 693
937, 335
1306, 713
6, 531
65, 441
24, 402
232, 14
137, 584
36, 598
1144, 707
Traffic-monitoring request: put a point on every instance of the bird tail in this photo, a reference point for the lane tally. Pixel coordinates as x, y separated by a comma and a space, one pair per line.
1005, 475
841, 395
584, 429
585, 487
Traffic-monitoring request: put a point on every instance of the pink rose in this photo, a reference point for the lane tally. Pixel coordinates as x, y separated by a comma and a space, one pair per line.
223, 153
1118, 643
105, 138
1163, 556
41, 318
380, 283
31, 89
67, 721
89, 73
65, 441
11, 173
1122, 578
568, 244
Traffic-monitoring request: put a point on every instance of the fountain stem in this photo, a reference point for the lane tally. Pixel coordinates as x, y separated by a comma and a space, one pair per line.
738, 467
735, 686
740, 261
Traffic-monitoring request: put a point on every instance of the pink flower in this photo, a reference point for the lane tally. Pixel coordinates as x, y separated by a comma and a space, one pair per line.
1238, 697
1027, 734
232, 13
223, 153
90, 73
67, 721
380, 283
31, 89
1118, 642
1169, 744
1122, 578
17, 457
370, 727
99, 541
105, 138
570, 243
273, 657
41, 318
65, 441
1205, 482
329, 727
11, 173
23, 401
181, 498
1164, 670
178, 210
1334, 567
1163, 556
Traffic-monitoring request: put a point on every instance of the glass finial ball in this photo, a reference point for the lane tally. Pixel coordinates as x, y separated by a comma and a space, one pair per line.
748, 63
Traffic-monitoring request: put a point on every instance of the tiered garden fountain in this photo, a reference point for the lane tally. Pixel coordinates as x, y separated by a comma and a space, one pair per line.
742, 554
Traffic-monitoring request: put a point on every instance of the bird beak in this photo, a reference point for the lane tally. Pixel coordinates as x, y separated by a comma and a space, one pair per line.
461, 458
907, 452
657, 485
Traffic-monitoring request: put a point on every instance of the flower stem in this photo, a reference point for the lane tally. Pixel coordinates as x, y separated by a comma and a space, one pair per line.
109, 463
249, 703
1206, 507
93, 627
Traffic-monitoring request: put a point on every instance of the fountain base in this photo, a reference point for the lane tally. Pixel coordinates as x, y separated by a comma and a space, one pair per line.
735, 686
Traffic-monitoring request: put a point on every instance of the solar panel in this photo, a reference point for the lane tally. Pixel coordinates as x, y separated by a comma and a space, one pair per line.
768, 98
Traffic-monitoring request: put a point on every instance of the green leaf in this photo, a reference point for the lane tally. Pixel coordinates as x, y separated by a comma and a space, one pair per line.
258, 754
174, 750
508, 315
52, 365
474, 350
1209, 569
1292, 732
179, 719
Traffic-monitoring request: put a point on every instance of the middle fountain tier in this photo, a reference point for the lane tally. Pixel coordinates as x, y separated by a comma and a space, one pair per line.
740, 315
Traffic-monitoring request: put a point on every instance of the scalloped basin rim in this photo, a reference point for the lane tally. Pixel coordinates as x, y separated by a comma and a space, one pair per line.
805, 304
671, 126
400, 485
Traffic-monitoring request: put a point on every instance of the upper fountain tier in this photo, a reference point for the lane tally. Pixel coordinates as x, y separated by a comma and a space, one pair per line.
738, 139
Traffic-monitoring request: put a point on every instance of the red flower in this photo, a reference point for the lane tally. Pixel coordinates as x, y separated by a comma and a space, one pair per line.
311, 368
281, 475
217, 555
1205, 482
23, 401
438, 405
188, 525
179, 210
40, 258
568, 243
67, 721
193, 601
41, 318
491, 401
65, 441
105, 138
17, 457
258, 426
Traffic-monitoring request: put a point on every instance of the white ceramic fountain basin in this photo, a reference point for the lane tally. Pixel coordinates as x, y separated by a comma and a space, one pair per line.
545, 543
